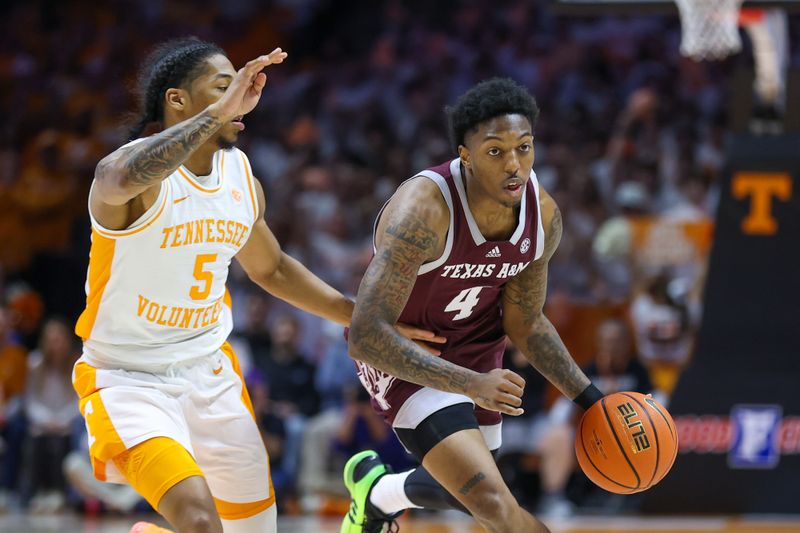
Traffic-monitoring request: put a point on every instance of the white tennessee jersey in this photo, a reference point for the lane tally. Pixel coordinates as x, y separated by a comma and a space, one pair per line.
155, 292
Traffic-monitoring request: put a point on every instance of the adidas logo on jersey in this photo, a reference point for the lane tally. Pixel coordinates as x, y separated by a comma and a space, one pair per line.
494, 252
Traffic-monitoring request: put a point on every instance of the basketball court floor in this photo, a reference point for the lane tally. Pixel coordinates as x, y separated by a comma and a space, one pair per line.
69, 523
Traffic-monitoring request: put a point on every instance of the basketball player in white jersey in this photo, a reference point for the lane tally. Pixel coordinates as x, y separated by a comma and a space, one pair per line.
160, 388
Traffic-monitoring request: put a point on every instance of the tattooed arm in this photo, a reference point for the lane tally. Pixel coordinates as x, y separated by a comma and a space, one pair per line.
134, 168
127, 181
412, 231
524, 321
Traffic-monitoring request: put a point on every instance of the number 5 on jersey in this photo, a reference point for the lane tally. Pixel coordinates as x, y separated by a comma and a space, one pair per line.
464, 303
205, 277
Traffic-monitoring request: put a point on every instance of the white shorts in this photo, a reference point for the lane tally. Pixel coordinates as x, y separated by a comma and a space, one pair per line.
201, 404
427, 401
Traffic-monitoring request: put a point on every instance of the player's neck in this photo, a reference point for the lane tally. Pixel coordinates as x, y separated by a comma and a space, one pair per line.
495, 220
480, 202
200, 162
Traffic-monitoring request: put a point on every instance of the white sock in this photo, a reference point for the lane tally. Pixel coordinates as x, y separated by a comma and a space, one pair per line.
389, 494
263, 522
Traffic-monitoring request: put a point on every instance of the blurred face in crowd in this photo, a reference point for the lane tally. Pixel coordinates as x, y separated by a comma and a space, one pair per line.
203, 91
613, 347
56, 342
499, 156
284, 332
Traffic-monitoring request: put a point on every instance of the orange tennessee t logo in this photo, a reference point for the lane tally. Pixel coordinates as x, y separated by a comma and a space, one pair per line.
761, 187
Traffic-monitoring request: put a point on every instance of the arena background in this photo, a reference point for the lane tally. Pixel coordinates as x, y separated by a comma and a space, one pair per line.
677, 181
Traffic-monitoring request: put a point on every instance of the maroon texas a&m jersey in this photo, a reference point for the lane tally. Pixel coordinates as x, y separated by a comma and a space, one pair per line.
459, 295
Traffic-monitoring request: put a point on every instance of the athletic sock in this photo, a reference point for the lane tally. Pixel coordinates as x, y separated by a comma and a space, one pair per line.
388, 495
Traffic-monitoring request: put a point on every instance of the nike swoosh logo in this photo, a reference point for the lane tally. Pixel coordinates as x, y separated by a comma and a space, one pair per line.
216, 371
179, 200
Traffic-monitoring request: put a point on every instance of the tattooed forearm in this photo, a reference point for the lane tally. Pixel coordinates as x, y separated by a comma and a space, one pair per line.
152, 160
474, 480
531, 331
382, 348
545, 350
408, 241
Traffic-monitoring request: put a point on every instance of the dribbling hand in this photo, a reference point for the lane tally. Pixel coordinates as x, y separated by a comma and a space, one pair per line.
245, 89
498, 390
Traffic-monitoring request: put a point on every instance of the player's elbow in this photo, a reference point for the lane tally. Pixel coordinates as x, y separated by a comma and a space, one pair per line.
358, 340
518, 328
265, 273
112, 184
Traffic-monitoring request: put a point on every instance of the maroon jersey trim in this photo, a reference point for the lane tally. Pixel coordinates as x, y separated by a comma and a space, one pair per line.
440, 182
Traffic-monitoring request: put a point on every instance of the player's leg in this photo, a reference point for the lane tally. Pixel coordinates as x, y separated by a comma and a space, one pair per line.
464, 466
130, 407
378, 496
421, 489
229, 447
167, 476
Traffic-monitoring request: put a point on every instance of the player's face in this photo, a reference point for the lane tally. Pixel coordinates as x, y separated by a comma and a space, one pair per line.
209, 87
500, 157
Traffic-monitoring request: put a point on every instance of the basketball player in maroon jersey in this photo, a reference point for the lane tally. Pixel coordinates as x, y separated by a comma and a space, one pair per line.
460, 249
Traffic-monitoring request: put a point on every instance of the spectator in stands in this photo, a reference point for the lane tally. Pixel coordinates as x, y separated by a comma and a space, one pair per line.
13, 372
319, 476
51, 410
290, 381
273, 432
664, 315
363, 429
522, 435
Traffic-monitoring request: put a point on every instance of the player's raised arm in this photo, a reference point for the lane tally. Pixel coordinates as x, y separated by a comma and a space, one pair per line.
129, 171
530, 330
412, 231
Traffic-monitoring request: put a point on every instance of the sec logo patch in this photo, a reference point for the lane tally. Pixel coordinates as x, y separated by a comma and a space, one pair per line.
525, 246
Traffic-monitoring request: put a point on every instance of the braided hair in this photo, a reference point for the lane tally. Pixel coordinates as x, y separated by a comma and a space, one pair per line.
170, 64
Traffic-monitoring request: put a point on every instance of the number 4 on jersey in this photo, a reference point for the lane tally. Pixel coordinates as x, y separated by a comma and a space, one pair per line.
464, 303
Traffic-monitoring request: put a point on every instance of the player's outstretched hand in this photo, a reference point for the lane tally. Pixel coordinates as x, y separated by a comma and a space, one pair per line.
498, 390
245, 89
422, 337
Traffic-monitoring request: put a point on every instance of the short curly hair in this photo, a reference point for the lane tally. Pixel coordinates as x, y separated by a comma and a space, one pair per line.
489, 99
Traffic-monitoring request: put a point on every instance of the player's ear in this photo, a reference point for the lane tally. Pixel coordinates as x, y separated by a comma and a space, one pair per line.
463, 153
176, 99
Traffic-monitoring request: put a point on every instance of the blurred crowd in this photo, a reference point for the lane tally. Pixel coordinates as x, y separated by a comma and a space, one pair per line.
630, 143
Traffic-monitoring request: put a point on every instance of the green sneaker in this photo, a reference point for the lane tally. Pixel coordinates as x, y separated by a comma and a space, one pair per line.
361, 473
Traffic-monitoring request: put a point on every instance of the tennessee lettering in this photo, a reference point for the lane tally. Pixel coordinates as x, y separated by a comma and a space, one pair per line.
179, 317
205, 230
467, 271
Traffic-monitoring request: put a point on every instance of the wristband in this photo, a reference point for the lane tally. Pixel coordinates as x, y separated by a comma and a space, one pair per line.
588, 397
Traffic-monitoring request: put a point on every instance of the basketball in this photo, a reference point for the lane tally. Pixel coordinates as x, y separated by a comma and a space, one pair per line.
626, 442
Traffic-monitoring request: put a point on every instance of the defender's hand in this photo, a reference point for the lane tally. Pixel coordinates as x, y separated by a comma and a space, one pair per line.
245, 89
421, 337
499, 390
